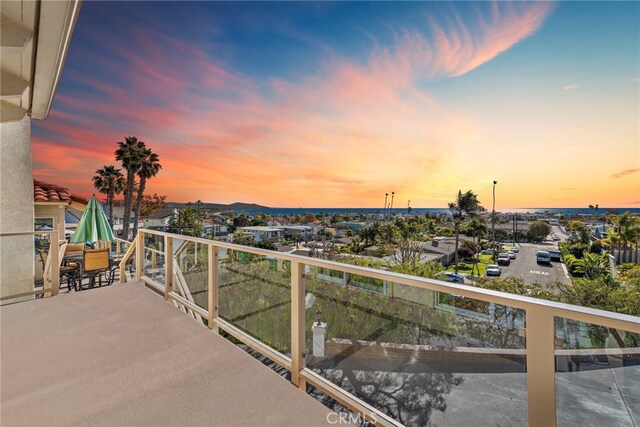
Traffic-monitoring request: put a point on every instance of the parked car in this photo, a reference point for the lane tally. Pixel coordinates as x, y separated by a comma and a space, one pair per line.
493, 270
512, 255
543, 257
555, 255
504, 259
486, 252
449, 276
515, 249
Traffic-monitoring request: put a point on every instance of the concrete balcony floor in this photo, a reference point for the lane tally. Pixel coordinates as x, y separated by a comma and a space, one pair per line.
121, 355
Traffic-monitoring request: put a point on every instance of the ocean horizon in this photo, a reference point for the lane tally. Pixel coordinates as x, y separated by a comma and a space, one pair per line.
566, 211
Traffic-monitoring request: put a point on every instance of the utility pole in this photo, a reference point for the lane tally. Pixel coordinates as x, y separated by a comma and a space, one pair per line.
493, 220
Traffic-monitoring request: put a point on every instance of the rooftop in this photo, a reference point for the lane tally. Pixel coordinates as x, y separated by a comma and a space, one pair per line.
46, 192
122, 356
260, 228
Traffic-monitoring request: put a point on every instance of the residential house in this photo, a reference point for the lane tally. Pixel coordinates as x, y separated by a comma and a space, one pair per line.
277, 222
303, 231
159, 218
263, 233
52, 204
444, 247
118, 216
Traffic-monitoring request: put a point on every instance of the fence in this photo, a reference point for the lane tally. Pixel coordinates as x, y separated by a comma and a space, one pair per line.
390, 355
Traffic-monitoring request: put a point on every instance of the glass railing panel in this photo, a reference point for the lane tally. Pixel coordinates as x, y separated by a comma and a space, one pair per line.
597, 375
419, 356
154, 259
254, 294
191, 271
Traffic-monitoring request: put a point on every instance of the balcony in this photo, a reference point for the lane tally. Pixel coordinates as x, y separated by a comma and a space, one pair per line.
122, 356
393, 348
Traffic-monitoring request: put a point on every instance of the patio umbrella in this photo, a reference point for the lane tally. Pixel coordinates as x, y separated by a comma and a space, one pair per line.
93, 225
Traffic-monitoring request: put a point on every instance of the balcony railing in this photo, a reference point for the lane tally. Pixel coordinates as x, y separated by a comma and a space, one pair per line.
389, 346
45, 247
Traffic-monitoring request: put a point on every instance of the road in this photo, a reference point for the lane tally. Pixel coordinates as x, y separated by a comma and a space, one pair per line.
558, 232
526, 267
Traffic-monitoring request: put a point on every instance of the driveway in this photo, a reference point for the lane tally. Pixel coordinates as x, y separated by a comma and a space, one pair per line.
526, 267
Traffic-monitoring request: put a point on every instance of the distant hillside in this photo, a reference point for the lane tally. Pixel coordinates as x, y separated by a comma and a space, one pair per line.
237, 206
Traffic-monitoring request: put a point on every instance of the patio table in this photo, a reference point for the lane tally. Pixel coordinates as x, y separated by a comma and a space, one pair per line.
79, 259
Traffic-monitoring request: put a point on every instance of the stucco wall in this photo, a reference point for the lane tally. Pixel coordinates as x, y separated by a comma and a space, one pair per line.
16, 207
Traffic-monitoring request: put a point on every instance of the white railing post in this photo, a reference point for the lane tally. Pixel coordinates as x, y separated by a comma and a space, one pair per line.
47, 275
139, 255
213, 288
168, 266
55, 265
541, 368
297, 325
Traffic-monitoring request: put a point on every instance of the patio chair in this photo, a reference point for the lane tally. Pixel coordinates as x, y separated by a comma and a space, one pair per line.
96, 264
74, 249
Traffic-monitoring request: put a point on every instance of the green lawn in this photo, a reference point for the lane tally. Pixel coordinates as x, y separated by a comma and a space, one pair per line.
467, 268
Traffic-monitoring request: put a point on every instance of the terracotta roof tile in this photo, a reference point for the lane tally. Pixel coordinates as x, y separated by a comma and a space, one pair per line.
45, 192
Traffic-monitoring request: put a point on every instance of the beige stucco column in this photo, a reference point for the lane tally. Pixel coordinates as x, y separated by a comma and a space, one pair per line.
16, 207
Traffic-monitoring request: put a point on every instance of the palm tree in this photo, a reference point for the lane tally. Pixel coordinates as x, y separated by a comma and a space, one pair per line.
478, 228
149, 167
109, 181
466, 204
130, 153
186, 221
626, 230
592, 265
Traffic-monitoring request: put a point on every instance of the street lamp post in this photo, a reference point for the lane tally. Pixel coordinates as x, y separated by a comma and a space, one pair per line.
493, 221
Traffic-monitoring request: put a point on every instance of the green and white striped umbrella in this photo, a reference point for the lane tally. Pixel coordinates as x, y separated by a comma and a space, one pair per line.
93, 226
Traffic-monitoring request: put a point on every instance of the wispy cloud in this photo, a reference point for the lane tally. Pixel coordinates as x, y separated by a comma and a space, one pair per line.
570, 87
635, 79
625, 173
332, 137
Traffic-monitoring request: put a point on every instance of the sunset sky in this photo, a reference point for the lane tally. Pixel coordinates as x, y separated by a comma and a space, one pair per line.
334, 104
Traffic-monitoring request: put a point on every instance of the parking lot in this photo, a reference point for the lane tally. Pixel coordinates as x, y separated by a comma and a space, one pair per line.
526, 267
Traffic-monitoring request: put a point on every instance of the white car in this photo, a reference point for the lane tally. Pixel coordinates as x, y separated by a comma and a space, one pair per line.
493, 270
543, 257
512, 255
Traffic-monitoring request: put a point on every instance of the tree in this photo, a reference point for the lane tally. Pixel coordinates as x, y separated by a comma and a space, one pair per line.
109, 181
239, 238
539, 230
465, 204
149, 166
129, 152
309, 218
408, 251
620, 295
592, 265
151, 203
241, 221
627, 229
478, 228
186, 221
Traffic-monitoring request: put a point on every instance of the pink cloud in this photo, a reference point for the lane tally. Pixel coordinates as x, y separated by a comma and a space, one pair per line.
336, 138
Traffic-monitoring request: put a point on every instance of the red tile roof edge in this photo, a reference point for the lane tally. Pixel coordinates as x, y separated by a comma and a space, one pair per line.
46, 192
